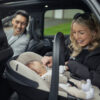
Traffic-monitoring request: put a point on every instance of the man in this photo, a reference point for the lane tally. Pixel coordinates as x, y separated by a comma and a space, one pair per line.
19, 38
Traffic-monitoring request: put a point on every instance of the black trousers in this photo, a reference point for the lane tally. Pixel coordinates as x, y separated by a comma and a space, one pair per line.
5, 89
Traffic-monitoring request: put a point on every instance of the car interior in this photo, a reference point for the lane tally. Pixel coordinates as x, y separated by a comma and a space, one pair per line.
45, 36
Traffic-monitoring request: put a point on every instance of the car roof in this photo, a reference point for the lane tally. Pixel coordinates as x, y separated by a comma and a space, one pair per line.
86, 5
62, 3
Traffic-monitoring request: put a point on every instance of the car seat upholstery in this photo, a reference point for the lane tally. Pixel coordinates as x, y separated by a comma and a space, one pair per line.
28, 56
37, 44
5, 50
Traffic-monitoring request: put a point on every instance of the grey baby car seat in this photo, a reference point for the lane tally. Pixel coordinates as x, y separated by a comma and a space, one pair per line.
21, 79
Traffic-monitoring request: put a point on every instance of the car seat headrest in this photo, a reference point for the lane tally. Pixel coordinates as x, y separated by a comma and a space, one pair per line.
28, 56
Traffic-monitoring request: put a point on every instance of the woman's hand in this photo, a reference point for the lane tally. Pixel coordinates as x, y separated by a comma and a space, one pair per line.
66, 65
47, 61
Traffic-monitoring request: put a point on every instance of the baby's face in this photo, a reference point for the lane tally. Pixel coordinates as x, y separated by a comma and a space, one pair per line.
37, 67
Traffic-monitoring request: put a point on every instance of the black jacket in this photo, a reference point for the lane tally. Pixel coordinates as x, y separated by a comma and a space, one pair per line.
87, 65
5, 50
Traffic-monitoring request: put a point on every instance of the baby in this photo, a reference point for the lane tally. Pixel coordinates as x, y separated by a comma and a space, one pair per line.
37, 67
80, 90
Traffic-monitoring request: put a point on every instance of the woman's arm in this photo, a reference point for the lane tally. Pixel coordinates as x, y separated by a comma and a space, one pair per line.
83, 72
78, 69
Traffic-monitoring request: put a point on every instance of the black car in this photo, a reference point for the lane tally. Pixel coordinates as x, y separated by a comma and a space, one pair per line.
47, 17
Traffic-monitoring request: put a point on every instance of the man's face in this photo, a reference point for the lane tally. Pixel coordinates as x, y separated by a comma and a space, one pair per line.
19, 24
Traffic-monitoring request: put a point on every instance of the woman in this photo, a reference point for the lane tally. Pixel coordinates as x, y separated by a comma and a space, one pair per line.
83, 52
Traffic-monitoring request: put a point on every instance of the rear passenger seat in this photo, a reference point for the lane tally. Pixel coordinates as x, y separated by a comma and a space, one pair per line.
37, 44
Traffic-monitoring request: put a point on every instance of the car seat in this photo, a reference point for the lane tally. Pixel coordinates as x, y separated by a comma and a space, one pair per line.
37, 44
21, 77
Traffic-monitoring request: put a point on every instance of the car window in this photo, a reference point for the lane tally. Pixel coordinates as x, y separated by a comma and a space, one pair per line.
58, 21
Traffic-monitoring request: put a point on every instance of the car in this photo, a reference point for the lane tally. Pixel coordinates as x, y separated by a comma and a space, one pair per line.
47, 17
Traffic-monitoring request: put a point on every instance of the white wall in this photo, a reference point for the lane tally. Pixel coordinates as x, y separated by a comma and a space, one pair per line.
58, 14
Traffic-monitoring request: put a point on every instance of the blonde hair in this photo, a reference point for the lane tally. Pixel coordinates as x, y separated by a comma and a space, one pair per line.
89, 21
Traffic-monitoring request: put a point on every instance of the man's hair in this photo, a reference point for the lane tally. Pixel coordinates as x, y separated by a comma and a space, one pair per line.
23, 13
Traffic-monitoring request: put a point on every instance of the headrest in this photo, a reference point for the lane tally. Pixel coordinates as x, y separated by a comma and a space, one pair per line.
28, 56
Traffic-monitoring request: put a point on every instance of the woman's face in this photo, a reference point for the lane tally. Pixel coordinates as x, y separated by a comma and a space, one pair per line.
82, 34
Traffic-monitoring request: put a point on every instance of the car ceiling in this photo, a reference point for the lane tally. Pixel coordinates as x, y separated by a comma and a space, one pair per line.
40, 4
34, 5
79, 4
